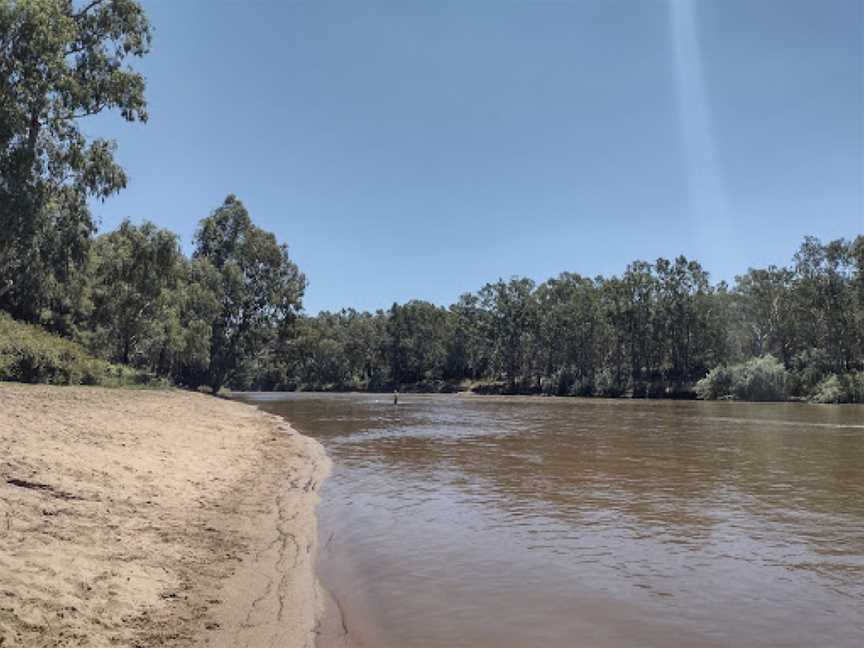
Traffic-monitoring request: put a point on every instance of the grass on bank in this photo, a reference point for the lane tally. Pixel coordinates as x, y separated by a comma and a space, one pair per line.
30, 354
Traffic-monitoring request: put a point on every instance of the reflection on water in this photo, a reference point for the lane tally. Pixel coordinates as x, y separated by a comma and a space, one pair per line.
499, 522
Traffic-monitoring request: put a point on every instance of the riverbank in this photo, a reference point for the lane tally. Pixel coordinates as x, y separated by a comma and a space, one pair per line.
154, 518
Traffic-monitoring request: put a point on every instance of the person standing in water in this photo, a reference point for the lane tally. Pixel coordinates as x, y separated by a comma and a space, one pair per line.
395, 396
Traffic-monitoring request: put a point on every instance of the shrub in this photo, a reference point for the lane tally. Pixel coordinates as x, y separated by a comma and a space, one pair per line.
829, 390
607, 384
758, 379
846, 388
807, 369
717, 384
560, 383
32, 355
855, 386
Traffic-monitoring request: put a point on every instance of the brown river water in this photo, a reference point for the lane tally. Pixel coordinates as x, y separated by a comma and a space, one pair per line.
490, 522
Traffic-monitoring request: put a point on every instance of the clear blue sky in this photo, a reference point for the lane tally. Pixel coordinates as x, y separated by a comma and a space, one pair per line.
421, 149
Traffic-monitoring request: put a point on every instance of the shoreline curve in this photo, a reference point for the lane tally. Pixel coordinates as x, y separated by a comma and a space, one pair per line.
155, 519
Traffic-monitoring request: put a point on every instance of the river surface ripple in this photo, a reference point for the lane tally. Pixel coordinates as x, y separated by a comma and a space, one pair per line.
490, 522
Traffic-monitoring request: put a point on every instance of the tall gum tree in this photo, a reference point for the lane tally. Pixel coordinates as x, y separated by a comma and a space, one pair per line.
60, 62
261, 288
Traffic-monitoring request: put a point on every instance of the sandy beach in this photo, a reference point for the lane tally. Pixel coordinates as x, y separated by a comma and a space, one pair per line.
154, 518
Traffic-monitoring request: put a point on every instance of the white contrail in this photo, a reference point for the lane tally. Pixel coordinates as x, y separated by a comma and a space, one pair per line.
705, 188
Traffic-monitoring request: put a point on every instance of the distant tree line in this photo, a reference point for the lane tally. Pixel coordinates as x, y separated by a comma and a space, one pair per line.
655, 331
230, 314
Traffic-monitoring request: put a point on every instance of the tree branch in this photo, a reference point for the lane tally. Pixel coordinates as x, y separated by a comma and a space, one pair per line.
86, 8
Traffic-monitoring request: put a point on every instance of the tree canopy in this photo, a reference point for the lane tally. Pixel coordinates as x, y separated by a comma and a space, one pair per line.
260, 288
60, 62
655, 330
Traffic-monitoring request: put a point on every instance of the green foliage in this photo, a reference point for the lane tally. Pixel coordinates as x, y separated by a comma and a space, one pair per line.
717, 385
653, 332
829, 390
469, 350
570, 336
59, 63
30, 354
609, 383
510, 324
135, 272
260, 291
758, 379
417, 339
334, 351
226, 314
151, 307
847, 388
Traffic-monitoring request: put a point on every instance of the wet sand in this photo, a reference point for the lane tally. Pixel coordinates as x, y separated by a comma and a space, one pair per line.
154, 518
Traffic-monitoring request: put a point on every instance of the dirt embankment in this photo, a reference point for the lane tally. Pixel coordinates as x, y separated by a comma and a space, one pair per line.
154, 518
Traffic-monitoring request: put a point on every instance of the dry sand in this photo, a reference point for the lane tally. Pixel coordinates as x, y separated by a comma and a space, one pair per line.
154, 518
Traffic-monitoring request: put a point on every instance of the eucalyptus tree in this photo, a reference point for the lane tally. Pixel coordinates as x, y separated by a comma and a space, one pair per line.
317, 354
470, 353
365, 347
418, 335
60, 62
568, 332
135, 271
767, 312
826, 301
260, 289
196, 305
614, 378
641, 287
553, 325
856, 252
511, 325
682, 287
